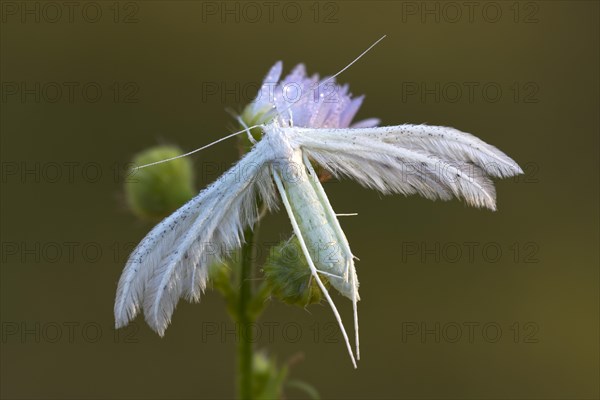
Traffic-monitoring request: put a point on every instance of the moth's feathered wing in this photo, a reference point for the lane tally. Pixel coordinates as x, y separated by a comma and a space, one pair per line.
172, 260
433, 161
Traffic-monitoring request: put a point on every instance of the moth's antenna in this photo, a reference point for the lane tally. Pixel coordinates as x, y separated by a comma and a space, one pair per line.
198, 149
353, 61
338, 73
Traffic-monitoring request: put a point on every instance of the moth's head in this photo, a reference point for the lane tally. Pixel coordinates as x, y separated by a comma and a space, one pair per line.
260, 122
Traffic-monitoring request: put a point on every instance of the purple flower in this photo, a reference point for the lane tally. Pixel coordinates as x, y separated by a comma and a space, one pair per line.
304, 101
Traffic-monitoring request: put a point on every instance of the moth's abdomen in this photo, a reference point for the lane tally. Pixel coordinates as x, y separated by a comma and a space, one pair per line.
329, 252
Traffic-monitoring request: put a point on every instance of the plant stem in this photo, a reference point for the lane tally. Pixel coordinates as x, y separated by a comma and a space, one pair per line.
245, 318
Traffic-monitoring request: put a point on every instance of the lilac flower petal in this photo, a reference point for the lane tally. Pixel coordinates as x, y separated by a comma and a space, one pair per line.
351, 111
274, 73
298, 75
265, 94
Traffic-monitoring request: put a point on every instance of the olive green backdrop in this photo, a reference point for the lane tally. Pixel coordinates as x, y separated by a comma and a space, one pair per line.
456, 302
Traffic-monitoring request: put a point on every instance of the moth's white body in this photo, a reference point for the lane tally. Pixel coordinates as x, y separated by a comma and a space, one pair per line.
328, 246
172, 260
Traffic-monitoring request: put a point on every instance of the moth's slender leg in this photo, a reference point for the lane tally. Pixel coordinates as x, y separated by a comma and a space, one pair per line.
313, 269
346, 245
355, 311
262, 212
250, 137
329, 274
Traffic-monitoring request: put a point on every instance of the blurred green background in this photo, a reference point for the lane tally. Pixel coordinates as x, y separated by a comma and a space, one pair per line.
456, 302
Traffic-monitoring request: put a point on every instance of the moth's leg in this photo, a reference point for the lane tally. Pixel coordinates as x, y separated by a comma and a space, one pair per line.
262, 212
250, 137
347, 215
355, 312
330, 274
346, 245
313, 269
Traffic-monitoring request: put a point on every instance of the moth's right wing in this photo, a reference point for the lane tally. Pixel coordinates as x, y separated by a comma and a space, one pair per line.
434, 161
172, 260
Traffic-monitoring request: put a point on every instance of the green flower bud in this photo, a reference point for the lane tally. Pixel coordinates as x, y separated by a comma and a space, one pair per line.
156, 191
288, 273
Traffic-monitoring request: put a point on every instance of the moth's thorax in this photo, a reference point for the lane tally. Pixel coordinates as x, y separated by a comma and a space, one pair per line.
280, 141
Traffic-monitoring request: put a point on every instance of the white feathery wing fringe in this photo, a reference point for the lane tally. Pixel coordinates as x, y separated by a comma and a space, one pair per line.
434, 161
172, 260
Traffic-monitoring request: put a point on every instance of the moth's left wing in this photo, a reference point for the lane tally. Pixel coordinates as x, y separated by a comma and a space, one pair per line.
172, 260
433, 161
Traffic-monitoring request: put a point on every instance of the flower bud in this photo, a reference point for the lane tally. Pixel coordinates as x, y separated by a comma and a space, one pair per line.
288, 273
156, 191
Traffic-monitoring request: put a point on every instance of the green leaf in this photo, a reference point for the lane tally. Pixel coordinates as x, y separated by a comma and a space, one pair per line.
268, 378
219, 275
259, 301
307, 388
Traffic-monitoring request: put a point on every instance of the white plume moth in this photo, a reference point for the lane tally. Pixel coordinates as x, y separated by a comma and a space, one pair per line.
172, 261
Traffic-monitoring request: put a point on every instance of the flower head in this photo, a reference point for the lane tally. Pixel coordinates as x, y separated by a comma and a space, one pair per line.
304, 101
